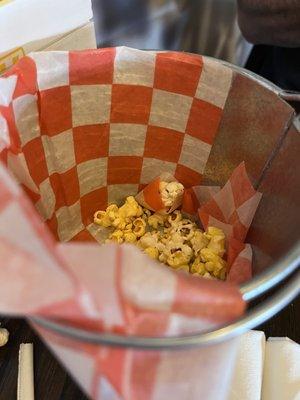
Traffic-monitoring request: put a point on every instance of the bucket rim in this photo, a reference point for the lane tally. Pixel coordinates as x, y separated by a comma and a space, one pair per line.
256, 316
257, 286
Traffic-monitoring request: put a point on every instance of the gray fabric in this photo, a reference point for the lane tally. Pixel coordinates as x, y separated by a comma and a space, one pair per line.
203, 26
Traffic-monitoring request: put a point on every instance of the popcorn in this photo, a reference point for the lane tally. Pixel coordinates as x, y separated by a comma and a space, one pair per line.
178, 254
186, 228
175, 218
4, 335
178, 245
112, 211
156, 219
152, 252
130, 237
177, 259
199, 241
149, 239
175, 239
119, 223
117, 236
212, 231
139, 227
101, 218
213, 263
208, 255
217, 244
198, 267
171, 192
131, 208
146, 213
162, 195
170, 239
163, 257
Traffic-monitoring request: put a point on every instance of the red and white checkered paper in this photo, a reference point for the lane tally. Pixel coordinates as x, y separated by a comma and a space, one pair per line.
79, 130
232, 209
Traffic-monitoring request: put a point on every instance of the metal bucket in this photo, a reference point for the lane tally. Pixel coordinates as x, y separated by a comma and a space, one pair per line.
257, 127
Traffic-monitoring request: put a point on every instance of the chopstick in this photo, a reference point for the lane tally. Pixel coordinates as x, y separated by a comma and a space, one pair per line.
25, 372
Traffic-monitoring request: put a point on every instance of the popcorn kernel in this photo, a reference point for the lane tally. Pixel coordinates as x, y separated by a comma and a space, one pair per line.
139, 227
171, 239
129, 237
152, 252
102, 219
155, 220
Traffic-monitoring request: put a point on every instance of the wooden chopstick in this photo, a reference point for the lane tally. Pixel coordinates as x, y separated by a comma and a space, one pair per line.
25, 372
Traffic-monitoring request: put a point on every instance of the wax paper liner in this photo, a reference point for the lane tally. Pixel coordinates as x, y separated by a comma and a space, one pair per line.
232, 209
79, 130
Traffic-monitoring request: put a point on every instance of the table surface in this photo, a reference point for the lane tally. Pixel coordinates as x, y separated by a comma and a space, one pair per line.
53, 383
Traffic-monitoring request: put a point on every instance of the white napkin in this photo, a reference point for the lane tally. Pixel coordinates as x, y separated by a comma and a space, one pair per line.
263, 371
266, 370
281, 379
24, 21
247, 377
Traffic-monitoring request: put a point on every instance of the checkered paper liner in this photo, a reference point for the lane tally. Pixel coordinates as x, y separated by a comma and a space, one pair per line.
232, 209
79, 130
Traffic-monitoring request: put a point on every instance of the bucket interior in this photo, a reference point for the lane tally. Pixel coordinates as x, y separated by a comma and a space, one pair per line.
122, 117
